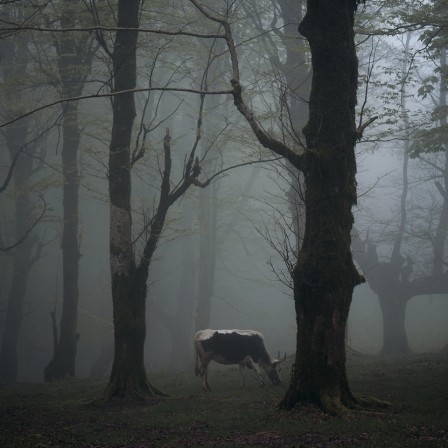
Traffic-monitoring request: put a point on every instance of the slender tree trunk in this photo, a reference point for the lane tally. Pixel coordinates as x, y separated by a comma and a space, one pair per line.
74, 63
70, 243
207, 257
14, 312
63, 363
15, 68
325, 275
181, 350
22, 263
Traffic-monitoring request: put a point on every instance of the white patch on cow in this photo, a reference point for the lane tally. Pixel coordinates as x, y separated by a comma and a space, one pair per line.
203, 335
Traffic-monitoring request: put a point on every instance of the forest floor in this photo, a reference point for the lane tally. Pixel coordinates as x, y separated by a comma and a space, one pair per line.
62, 414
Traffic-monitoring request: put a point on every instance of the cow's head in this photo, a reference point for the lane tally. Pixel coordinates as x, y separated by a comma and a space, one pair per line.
274, 372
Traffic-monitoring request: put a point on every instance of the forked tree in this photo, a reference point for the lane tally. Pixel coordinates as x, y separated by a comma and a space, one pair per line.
325, 275
128, 379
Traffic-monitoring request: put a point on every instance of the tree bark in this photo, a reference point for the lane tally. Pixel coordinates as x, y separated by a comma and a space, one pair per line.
128, 379
15, 68
128, 376
63, 363
74, 62
22, 263
325, 275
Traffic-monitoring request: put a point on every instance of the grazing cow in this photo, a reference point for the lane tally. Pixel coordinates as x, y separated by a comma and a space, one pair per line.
243, 347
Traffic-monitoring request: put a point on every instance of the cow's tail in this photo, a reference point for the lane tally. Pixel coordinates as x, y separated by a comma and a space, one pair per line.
196, 366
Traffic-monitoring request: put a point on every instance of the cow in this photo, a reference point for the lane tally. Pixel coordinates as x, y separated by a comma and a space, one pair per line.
243, 347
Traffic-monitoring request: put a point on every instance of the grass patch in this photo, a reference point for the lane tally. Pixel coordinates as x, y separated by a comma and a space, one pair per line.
62, 414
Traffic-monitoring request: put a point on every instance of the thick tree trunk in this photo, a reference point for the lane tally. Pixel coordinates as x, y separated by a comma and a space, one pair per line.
325, 274
128, 376
128, 379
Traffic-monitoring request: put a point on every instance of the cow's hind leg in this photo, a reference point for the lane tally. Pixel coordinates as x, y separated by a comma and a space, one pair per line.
204, 373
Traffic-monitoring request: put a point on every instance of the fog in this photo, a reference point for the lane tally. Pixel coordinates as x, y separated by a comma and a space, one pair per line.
247, 289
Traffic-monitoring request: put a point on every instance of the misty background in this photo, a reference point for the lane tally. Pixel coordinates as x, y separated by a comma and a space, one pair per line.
233, 224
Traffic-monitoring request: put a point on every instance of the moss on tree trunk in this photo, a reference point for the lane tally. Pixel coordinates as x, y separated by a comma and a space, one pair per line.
325, 275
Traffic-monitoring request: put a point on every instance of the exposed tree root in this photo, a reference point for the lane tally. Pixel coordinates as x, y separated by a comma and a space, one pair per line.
129, 394
368, 404
333, 404
363, 401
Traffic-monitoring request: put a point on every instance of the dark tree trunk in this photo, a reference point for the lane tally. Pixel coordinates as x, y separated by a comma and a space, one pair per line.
74, 62
128, 377
63, 363
14, 67
14, 311
22, 263
325, 275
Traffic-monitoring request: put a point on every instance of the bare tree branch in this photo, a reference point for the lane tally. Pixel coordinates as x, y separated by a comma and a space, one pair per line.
33, 225
95, 29
112, 94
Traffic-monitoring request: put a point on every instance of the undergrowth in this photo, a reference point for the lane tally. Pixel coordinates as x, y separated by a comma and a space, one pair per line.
64, 415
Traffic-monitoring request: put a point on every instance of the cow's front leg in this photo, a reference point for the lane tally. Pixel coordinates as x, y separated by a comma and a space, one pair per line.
250, 364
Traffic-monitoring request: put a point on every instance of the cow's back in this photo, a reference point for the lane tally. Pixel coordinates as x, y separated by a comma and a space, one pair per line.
233, 345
